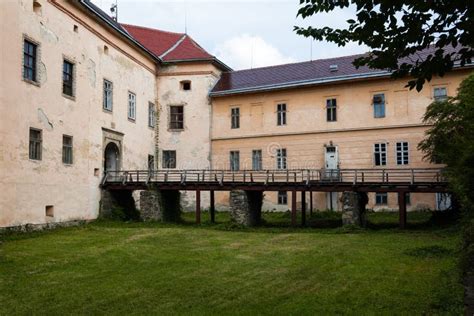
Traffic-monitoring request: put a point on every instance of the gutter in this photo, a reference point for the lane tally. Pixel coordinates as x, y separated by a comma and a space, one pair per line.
302, 83
125, 34
190, 60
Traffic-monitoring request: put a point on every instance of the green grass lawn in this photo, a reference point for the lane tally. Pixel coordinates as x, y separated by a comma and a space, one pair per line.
151, 268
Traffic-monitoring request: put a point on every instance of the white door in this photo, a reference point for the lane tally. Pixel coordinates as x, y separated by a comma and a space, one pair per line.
331, 157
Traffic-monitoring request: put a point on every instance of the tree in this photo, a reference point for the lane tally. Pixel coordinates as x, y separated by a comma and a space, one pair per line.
398, 31
450, 140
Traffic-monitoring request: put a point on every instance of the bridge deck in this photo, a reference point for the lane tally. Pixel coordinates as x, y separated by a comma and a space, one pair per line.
367, 180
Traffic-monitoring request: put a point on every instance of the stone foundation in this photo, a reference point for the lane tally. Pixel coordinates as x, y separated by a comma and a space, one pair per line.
150, 205
353, 208
246, 207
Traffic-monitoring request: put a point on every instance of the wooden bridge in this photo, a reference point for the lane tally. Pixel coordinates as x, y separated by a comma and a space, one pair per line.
398, 180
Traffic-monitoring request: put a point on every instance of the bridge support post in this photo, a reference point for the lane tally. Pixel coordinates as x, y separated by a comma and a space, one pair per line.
150, 205
303, 208
310, 203
198, 207
353, 208
246, 207
402, 209
212, 209
293, 208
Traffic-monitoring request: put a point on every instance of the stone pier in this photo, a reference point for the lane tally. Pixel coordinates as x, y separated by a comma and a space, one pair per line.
246, 207
353, 208
155, 205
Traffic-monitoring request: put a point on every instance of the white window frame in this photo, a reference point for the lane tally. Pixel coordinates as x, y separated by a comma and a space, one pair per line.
282, 198
257, 163
282, 109
382, 154
281, 159
402, 153
440, 98
132, 106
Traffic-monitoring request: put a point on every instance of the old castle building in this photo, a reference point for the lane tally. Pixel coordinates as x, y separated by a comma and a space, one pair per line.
82, 94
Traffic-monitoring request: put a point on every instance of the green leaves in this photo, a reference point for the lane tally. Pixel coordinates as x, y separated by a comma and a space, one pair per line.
399, 30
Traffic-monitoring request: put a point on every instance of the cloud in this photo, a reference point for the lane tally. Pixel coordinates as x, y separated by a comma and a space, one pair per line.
246, 51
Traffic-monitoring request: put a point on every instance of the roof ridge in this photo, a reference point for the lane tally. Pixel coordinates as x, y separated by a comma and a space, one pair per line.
151, 29
299, 62
173, 47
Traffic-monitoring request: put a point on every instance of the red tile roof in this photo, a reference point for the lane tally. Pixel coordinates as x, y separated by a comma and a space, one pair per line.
301, 74
168, 46
156, 41
187, 49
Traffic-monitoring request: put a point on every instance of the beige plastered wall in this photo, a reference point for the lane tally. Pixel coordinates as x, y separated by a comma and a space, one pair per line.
63, 31
307, 132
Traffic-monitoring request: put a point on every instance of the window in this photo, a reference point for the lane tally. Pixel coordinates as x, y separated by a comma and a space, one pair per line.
176, 117
380, 154
67, 149
281, 158
186, 85
234, 160
402, 153
68, 78
381, 199
169, 159
151, 114
440, 94
235, 117
151, 162
379, 105
407, 198
281, 114
29, 60
132, 99
331, 110
35, 144
256, 159
108, 89
282, 198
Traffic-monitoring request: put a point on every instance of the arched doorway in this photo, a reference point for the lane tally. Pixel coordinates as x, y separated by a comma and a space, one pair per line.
111, 157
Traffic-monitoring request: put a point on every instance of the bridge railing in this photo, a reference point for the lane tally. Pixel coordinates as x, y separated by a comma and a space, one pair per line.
308, 176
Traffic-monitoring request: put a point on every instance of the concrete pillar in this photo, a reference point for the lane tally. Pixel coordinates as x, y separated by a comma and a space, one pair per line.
353, 208
246, 207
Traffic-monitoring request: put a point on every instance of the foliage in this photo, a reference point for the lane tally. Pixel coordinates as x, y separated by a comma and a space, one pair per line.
451, 141
398, 30
141, 268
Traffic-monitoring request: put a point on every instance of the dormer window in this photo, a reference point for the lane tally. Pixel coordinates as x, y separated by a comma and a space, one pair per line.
186, 85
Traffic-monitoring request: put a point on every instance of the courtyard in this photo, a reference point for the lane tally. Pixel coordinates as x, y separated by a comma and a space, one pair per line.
153, 268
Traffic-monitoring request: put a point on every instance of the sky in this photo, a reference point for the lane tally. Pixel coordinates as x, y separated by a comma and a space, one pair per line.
241, 33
